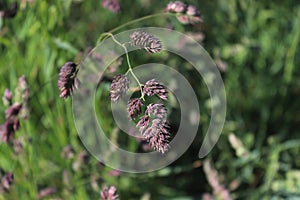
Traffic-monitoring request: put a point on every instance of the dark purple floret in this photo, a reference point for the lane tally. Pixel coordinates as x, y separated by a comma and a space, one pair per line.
119, 86
186, 14
143, 123
153, 87
134, 107
146, 40
67, 81
158, 111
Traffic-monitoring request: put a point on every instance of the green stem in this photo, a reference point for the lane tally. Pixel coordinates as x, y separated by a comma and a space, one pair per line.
137, 20
128, 63
102, 36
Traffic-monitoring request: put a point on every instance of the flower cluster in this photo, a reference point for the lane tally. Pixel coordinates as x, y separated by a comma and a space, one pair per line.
152, 87
152, 125
186, 14
134, 107
119, 86
112, 5
146, 40
11, 12
154, 128
67, 80
12, 123
109, 193
6, 182
15, 110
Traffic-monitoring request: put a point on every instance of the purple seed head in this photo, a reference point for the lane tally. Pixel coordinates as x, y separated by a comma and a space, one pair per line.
134, 108
119, 86
67, 81
153, 87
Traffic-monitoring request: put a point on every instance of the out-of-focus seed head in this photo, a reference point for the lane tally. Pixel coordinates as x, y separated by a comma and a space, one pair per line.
112, 5
192, 11
11, 12
134, 108
68, 152
176, 7
46, 192
8, 129
153, 87
22, 90
114, 172
146, 40
187, 14
109, 193
67, 81
119, 86
186, 19
13, 111
7, 97
7, 180
12, 123
22, 94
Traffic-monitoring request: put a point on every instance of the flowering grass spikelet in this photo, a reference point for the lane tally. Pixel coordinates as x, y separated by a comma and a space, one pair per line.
158, 111
134, 107
154, 128
186, 14
119, 86
153, 87
67, 81
146, 40
143, 123
7, 97
22, 96
11, 12
176, 7
160, 140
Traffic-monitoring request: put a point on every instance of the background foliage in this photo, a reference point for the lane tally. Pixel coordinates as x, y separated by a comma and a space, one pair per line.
257, 156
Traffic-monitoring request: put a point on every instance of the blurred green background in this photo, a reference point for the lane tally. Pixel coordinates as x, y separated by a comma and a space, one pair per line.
256, 46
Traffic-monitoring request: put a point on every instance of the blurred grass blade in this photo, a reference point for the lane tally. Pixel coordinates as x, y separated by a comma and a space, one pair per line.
65, 45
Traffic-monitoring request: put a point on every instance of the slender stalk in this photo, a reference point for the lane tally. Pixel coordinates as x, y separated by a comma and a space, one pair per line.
102, 36
128, 63
138, 20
